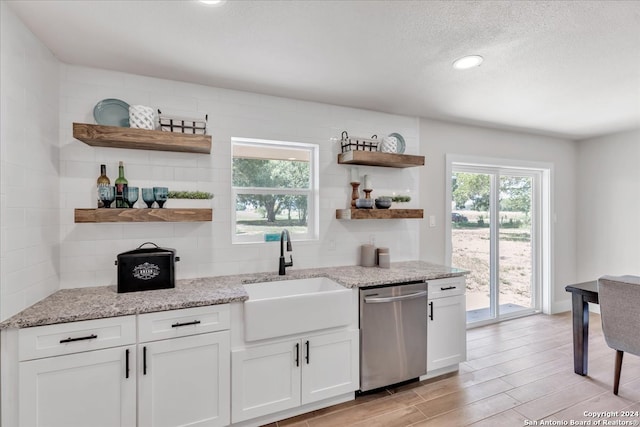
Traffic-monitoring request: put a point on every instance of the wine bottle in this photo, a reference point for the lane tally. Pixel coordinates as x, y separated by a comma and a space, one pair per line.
121, 187
103, 181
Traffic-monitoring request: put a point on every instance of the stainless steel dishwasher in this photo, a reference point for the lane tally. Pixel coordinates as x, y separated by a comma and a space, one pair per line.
393, 334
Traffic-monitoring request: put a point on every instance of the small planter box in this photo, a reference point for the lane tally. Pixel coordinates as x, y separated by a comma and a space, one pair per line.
188, 203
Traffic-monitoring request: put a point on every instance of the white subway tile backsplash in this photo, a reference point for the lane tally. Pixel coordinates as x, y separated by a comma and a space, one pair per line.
12, 303
112, 156
83, 279
87, 251
175, 104
173, 159
12, 217
78, 264
13, 261
186, 174
94, 77
48, 217
150, 232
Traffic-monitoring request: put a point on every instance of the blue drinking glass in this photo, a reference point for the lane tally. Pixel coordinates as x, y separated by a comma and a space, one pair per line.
130, 196
107, 195
160, 194
148, 197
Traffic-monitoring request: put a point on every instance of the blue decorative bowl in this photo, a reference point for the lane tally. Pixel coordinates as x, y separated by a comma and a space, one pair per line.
364, 203
383, 203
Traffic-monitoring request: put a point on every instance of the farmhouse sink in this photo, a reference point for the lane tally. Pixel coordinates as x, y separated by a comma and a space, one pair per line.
287, 307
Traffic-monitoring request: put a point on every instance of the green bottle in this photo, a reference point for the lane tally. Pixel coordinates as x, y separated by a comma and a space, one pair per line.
121, 187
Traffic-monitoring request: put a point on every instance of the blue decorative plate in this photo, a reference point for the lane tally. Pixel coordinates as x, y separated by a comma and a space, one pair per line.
401, 143
112, 112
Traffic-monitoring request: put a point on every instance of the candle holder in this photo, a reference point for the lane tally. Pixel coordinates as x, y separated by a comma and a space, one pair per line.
354, 193
367, 193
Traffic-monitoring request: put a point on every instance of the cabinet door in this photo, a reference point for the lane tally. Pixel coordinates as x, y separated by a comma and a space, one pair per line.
79, 390
446, 332
266, 379
185, 381
329, 365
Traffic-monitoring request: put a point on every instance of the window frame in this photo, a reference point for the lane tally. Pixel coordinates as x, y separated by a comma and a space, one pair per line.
312, 192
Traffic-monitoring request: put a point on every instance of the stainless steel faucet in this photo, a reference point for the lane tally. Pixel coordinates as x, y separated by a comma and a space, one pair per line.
283, 263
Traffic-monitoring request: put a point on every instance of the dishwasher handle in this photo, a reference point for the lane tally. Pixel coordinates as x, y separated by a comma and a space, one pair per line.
375, 300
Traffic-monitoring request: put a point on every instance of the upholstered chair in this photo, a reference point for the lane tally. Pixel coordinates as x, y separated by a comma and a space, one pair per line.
619, 298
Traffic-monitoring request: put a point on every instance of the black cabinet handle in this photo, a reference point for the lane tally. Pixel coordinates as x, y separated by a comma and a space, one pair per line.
178, 324
297, 354
88, 337
447, 288
307, 356
144, 360
126, 363
431, 310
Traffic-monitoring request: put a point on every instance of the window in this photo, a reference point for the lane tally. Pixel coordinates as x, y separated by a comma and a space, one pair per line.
274, 186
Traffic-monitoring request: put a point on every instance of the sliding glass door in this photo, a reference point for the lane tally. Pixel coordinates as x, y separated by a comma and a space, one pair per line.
494, 223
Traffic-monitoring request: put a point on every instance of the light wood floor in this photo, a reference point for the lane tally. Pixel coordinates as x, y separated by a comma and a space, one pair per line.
517, 371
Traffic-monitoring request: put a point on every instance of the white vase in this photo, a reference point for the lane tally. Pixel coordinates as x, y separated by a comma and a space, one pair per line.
141, 117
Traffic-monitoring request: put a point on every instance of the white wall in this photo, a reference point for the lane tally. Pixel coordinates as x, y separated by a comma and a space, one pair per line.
46, 173
608, 206
29, 184
88, 250
437, 139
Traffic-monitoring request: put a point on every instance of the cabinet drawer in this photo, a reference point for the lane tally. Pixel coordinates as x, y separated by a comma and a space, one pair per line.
74, 337
445, 287
180, 323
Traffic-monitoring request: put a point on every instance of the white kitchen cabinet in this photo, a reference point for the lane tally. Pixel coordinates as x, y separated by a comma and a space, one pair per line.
330, 365
446, 323
283, 375
75, 387
84, 389
184, 379
95, 372
265, 379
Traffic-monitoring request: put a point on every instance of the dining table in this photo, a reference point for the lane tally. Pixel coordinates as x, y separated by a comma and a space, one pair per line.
581, 295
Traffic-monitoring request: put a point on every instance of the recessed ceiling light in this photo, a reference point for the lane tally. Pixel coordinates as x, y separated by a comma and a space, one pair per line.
213, 2
467, 62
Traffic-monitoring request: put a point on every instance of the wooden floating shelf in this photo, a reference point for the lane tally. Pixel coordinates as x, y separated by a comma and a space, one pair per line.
141, 139
379, 214
142, 215
376, 158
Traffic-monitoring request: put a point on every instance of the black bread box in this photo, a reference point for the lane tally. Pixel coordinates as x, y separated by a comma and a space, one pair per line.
145, 269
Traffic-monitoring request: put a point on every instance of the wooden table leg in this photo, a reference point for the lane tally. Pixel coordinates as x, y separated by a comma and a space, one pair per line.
580, 311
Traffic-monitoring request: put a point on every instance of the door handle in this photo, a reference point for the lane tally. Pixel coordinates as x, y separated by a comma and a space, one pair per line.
307, 356
126, 363
376, 300
88, 337
178, 324
297, 354
144, 360
431, 310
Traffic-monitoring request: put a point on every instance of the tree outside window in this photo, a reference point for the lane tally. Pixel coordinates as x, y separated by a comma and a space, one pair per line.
274, 188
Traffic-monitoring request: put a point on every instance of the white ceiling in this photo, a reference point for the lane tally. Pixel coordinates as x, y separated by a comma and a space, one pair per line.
563, 68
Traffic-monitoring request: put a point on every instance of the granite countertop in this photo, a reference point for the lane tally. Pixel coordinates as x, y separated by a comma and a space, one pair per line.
70, 305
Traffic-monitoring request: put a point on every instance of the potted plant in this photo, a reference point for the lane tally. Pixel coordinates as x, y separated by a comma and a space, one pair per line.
396, 199
189, 199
